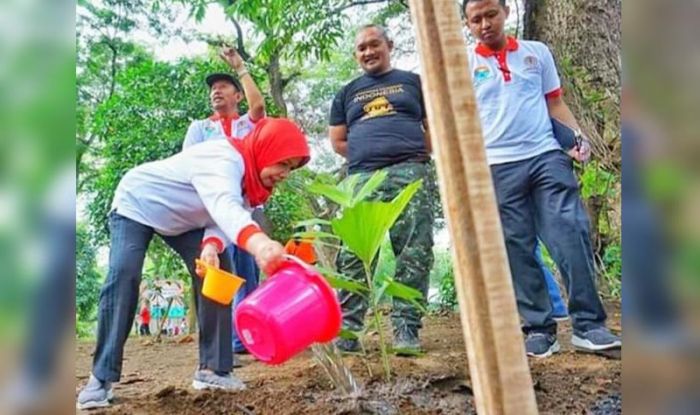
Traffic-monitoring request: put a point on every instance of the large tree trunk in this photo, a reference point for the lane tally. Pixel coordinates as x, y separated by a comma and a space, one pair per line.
585, 38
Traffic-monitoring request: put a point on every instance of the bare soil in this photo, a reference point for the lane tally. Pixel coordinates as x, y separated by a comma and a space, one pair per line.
157, 376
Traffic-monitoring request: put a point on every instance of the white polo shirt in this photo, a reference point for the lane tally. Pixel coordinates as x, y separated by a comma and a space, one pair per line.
512, 87
216, 127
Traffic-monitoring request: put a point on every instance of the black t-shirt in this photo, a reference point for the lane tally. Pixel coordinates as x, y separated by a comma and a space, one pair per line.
384, 117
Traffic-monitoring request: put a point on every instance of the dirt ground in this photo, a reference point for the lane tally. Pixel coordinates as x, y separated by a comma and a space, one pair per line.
156, 380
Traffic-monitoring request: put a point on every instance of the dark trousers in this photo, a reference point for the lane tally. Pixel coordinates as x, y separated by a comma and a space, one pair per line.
144, 330
119, 297
540, 196
246, 268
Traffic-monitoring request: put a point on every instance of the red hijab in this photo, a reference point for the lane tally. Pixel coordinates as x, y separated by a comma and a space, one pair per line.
273, 140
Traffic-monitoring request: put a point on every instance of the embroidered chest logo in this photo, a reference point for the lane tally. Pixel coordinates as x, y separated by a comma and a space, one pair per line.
482, 73
241, 129
532, 64
211, 129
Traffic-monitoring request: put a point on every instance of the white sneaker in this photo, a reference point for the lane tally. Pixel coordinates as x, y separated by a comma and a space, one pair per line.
207, 379
96, 394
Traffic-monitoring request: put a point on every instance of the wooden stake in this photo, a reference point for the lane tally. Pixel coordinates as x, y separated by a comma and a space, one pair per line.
497, 363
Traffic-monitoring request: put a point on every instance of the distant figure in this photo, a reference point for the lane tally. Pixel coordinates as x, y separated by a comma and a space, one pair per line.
145, 315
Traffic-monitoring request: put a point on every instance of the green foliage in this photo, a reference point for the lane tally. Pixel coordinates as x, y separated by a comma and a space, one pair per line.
447, 294
395, 289
289, 205
344, 194
146, 119
689, 261
339, 282
362, 227
664, 183
309, 28
603, 186
442, 276
386, 263
612, 261
596, 181
163, 262
88, 279
103, 51
84, 329
547, 258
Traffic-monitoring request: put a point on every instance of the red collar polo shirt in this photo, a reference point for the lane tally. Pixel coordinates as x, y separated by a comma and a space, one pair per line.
512, 87
218, 127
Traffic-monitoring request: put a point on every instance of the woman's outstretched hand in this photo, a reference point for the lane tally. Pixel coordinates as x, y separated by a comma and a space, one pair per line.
268, 253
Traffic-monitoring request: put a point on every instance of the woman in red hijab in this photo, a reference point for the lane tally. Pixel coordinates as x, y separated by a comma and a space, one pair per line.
270, 152
197, 200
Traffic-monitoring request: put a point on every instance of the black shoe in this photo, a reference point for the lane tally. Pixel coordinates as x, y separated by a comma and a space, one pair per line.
541, 344
348, 345
406, 342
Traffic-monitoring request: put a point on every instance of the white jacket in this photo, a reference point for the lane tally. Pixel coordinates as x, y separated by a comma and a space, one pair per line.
199, 187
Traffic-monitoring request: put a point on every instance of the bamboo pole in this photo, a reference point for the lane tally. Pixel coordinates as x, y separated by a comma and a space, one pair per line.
497, 363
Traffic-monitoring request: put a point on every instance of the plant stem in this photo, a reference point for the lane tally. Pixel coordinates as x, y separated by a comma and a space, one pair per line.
378, 325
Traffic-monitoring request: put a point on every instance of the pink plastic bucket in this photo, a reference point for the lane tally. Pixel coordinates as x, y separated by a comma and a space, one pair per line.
291, 310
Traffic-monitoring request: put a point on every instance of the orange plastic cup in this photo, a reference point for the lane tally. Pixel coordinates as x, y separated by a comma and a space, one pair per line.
219, 285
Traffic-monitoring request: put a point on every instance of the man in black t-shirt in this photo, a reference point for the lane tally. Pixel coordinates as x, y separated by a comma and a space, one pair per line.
377, 121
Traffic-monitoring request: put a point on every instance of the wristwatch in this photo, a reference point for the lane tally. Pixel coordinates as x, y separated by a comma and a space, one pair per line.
243, 71
578, 137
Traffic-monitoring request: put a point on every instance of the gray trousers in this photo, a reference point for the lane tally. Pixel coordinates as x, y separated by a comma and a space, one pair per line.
120, 293
540, 196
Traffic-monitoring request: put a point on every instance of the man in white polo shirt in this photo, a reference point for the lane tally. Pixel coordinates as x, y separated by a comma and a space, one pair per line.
518, 90
225, 95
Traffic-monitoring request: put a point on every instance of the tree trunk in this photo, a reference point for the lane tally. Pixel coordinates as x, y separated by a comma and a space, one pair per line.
191, 313
277, 83
585, 38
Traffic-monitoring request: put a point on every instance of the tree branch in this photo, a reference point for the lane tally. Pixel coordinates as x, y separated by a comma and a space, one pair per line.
240, 46
239, 40
113, 71
290, 78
